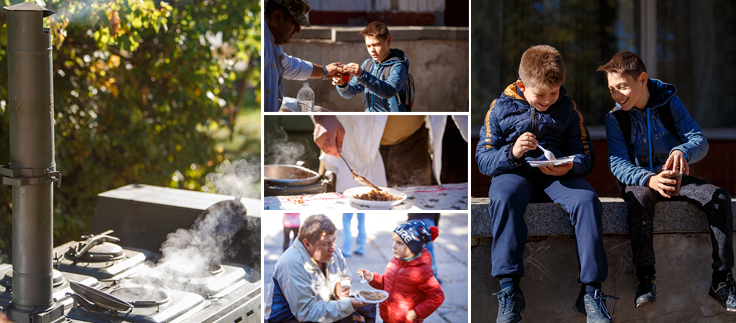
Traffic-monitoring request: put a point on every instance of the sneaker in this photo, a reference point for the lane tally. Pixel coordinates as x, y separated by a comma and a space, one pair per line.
510, 305
725, 294
594, 307
646, 291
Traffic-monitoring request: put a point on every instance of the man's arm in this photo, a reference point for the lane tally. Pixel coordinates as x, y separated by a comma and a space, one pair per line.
328, 134
300, 293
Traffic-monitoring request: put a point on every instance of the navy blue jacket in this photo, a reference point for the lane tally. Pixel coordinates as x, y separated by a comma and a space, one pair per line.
380, 95
694, 145
560, 129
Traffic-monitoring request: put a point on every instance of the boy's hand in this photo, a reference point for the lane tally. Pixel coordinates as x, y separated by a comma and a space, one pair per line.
411, 316
353, 68
337, 80
661, 183
556, 170
334, 69
527, 141
366, 274
676, 161
328, 134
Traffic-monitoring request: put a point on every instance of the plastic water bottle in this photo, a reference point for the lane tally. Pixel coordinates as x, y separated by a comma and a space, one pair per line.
305, 98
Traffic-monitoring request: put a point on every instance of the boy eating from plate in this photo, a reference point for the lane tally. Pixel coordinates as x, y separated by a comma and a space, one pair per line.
413, 291
535, 111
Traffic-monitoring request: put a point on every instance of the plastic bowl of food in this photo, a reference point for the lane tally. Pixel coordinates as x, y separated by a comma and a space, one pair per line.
357, 195
371, 296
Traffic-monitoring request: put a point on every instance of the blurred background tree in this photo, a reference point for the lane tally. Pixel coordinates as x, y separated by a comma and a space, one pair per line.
147, 92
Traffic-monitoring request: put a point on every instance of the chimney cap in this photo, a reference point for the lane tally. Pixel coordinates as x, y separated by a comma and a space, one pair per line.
30, 6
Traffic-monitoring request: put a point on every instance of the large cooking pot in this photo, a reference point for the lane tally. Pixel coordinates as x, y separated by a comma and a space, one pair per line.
289, 175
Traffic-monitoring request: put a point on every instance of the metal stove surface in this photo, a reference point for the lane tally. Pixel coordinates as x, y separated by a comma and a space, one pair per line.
59, 291
233, 276
181, 306
114, 269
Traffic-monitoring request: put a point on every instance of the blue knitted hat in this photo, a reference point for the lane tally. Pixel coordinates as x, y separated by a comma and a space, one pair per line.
416, 234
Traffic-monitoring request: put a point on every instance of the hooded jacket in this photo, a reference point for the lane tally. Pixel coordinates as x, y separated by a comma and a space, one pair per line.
410, 285
621, 153
380, 95
559, 129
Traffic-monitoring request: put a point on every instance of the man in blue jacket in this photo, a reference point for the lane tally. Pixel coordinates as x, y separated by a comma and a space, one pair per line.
652, 140
533, 111
382, 94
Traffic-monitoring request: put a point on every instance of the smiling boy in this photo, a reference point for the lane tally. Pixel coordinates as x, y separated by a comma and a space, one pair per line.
651, 139
382, 94
535, 110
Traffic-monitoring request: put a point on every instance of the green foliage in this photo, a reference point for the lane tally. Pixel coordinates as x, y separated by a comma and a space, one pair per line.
140, 86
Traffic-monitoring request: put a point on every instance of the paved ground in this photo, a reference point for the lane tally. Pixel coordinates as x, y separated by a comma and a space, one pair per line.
451, 251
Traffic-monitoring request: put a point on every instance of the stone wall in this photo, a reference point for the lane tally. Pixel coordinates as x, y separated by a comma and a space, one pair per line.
682, 246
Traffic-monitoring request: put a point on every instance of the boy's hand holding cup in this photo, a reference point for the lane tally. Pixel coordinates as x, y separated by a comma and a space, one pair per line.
664, 183
353, 68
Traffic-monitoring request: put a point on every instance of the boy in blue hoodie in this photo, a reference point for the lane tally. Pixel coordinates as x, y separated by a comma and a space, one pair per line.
652, 140
382, 94
535, 110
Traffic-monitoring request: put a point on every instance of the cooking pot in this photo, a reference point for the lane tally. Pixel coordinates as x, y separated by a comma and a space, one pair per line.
289, 175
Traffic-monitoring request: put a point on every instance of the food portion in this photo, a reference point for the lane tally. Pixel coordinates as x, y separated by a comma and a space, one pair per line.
375, 195
371, 296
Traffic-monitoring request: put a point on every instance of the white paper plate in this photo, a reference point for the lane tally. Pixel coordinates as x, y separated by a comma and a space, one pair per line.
556, 162
354, 191
360, 297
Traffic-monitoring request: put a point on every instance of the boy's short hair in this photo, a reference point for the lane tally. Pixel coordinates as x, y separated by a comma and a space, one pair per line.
624, 63
376, 29
542, 66
314, 226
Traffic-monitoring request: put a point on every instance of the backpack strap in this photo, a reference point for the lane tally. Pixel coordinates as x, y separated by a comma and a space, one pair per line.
386, 74
665, 114
625, 124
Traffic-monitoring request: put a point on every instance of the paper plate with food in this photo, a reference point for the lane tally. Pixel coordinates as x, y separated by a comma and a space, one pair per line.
371, 296
367, 196
556, 162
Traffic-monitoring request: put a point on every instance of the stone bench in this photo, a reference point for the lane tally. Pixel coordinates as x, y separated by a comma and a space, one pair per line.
549, 219
683, 251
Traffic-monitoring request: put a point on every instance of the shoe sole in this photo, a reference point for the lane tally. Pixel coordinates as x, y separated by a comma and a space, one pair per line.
723, 304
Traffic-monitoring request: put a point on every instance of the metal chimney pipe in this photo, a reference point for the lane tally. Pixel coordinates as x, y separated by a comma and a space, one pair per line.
32, 169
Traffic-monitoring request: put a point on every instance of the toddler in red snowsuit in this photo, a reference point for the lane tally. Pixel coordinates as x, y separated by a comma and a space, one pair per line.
413, 291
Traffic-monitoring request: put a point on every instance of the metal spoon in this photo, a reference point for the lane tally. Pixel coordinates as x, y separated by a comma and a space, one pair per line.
362, 279
548, 154
358, 178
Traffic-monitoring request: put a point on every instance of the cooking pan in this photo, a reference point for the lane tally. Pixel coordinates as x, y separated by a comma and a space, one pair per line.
289, 175
99, 298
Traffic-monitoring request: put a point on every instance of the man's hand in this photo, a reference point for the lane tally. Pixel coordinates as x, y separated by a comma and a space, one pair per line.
334, 69
366, 274
411, 316
356, 303
328, 134
353, 68
676, 161
556, 170
527, 141
342, 292
337, 80
661, 183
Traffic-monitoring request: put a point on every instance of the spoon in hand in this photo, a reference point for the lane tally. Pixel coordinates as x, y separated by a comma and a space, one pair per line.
362, 278
548, 154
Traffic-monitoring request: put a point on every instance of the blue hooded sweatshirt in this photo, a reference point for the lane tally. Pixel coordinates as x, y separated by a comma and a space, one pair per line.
560, 129
380, 95
620, 153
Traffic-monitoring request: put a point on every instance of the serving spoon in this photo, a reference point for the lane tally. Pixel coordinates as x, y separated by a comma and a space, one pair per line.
360, 179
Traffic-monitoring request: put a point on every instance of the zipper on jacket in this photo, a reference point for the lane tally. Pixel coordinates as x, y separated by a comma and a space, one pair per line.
649, 139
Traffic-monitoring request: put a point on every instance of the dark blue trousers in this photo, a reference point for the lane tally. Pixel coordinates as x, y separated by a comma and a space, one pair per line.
509, 196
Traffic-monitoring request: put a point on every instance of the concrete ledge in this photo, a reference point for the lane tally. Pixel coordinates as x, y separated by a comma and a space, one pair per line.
549, 219
409, 33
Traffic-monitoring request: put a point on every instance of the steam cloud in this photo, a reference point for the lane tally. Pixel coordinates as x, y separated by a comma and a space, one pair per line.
239, 179
279, 150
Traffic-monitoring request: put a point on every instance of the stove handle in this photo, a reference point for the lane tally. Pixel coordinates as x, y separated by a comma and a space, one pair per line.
95, 240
